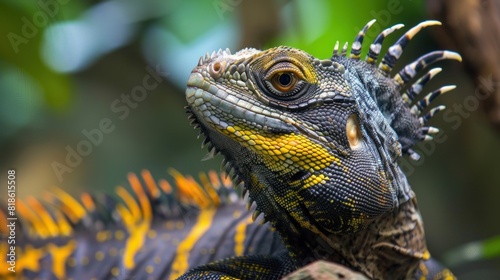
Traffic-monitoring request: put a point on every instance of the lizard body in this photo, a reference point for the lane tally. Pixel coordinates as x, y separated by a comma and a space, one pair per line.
314, 143
157, 231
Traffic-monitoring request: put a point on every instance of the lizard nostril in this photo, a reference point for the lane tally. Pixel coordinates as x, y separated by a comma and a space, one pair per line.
216, 69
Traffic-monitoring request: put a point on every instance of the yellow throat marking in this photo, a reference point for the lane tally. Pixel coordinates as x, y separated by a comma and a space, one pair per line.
284, 153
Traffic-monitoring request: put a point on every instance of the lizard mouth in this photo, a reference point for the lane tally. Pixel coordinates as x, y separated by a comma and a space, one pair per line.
228, 164
214, 112
231, 169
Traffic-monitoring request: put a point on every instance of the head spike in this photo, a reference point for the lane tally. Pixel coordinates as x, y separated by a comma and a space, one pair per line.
249, 203
336, 49
244, 193
205, 142
427, 138
430, 130
415, 89
422, 104
376, 46
358, 41
344, 49
411, 70
210, 155
396, 50
255, 215
413, 155
423, 120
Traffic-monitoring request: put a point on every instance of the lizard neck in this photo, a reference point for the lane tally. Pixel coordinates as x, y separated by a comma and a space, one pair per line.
379, 250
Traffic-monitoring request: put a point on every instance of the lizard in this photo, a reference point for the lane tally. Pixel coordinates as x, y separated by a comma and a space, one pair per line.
331, 139
155, 231
315, 143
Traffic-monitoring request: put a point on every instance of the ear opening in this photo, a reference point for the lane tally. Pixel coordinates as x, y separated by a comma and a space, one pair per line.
353, 132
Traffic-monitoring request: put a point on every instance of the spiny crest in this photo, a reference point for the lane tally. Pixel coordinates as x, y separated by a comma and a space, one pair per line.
209, 56
403, 79
61, 214
226, 165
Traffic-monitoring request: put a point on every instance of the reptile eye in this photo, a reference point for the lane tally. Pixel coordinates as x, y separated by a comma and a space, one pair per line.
284, 81
353, 132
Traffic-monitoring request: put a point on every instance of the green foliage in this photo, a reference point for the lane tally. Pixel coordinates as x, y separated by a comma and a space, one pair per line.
316, 34
474, 251
24, 28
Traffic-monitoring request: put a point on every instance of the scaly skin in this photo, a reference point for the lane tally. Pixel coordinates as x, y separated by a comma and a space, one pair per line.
316, 144
158, 231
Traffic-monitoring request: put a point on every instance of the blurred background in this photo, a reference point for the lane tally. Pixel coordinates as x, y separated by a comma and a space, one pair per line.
115, 71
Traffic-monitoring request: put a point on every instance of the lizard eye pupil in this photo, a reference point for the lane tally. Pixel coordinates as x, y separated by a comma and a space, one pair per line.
284, 81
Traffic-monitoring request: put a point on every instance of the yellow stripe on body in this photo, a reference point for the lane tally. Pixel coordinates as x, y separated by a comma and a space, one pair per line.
141, 220
423, 270
5, 273
181, 261
134, 243
240, 236
315, 180
126, 216
29, 258
60, 254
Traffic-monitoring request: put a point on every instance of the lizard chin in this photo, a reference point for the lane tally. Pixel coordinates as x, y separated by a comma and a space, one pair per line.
254, 181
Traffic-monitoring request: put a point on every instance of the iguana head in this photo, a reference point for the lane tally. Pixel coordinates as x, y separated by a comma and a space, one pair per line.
314, 141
